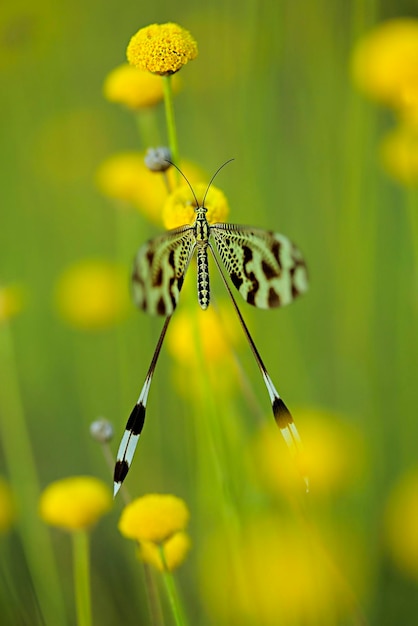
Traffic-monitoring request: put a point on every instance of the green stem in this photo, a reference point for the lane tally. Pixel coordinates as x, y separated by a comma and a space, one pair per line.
172, 593
170, 120
412, 209
22, 472
81, 561
149, 133
154, 605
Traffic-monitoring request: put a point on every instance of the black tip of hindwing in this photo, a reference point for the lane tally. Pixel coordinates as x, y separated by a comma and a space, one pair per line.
281, 413
121, 470
136, 419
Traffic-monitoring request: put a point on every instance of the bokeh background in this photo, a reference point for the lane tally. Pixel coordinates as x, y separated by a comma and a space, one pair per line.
272, 88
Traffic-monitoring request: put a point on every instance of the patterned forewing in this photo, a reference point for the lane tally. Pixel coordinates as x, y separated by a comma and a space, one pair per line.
266, 268
159, 268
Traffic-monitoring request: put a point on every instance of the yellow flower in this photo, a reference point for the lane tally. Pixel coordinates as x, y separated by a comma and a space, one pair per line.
161, 48
11, 302
179, 208
399, 154
401, 523
217, 330
92, 294
208, 337
154, 517
7, 508
125, 177
385, 62
333, 455
271, 573
122, 175
134, 88
175, 551
75, 503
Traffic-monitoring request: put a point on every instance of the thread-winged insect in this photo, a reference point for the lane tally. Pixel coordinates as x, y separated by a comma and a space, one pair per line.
265, 267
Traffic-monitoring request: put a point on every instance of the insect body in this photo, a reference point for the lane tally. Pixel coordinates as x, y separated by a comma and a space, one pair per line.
265, 267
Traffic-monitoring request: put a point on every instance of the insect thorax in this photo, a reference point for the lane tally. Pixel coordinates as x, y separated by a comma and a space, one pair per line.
201, 226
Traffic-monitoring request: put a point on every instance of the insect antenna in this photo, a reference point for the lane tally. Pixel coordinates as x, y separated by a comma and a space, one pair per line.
213, 178
210, 182
186, 179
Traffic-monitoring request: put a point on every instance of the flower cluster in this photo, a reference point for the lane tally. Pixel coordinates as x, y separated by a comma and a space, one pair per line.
161, 48
384, 66
75, 503
157, 522
92, 294
134, 88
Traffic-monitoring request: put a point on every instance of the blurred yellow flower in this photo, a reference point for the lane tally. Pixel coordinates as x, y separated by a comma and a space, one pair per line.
11, 302
134, 88
399, 154
175, 551
217, 330
271, 573
208, 337
7, 508
154, 517
121, 176
179, 208
92, 294
385, 63
333, 455
161, 48
125, 177
75, 503
401, 523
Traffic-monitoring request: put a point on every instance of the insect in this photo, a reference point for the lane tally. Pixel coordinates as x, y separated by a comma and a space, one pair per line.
265, 267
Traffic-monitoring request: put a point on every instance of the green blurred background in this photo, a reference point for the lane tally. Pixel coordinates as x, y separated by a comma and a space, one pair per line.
270, 88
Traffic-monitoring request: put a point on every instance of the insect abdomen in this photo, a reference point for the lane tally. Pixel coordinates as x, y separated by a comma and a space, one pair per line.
203, 291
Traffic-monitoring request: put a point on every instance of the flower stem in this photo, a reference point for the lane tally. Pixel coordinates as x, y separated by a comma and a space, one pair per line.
170, 121
147, 126
81, 561
22, 471
172, 593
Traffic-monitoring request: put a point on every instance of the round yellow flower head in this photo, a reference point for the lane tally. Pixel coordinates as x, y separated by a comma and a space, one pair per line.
125, 177
11, 302
175, 551
385, 62
161, 48
75, 503
211, 335
134, 88
92, 294
154, 517
7, 508
121, 176
401, 522
179, 208
333, 455
269, 573
399, 154
217, 330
